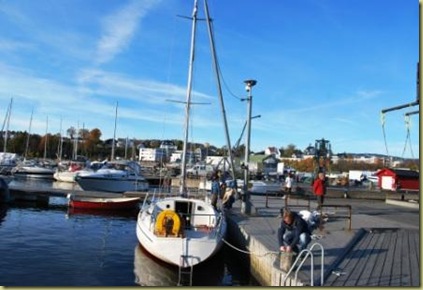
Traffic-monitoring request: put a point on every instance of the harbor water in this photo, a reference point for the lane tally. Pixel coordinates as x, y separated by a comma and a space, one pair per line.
48, 244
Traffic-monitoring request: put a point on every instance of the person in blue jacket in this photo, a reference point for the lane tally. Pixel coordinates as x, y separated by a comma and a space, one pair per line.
215, 190
293, 233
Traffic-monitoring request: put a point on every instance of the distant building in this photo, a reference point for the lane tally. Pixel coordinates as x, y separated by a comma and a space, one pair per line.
152, 154
398, 179
177, 157
265, 164
168, 145
272, 151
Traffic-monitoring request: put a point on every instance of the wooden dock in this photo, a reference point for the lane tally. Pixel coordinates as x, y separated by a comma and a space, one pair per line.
381, 257
380, 249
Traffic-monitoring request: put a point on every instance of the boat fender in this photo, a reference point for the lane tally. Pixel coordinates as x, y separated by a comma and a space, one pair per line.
168, 223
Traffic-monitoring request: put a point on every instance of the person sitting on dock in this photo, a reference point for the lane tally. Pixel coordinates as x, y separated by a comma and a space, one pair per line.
294, 233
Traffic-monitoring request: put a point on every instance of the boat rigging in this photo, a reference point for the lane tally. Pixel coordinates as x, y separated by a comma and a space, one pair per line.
407, 115
188, 103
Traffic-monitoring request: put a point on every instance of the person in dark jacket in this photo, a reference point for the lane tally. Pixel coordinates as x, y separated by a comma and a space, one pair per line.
294, 233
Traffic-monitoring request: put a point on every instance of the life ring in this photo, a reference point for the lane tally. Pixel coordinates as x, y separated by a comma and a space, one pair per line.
168, 223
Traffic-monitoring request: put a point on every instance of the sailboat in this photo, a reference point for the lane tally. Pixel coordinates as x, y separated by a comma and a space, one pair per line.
7, 159
183, 230
34, 168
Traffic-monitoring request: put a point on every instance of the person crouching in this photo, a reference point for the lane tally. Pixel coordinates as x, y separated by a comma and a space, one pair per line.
293, 233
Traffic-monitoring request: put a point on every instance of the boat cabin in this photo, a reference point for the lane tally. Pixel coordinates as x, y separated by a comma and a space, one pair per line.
175, 216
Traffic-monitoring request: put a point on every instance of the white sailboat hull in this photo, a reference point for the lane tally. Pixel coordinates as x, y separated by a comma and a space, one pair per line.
201, 239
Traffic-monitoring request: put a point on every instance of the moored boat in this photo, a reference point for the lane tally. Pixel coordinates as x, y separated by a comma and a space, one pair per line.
181, 231
115, 176
67, 173
33, 169
107, 203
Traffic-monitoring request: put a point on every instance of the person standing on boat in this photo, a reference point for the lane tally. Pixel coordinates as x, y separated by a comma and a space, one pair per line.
215, 190
319, 189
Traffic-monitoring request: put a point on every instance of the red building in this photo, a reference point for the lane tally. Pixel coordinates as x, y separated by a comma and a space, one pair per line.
398, 179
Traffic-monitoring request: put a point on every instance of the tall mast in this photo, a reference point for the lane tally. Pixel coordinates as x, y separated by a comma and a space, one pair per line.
75, 143
29, 134
114, 135
60, 145
219, 87
45, 140
182, 188
7, 121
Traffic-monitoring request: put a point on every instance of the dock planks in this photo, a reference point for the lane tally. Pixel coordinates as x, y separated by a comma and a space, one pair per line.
383, 257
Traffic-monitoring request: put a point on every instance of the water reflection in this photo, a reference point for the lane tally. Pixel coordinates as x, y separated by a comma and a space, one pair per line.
150, 271
78, 212
3, 212
65, 185
31, 183
222, 269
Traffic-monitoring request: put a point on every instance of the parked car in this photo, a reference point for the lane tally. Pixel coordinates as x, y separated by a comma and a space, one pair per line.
200, 170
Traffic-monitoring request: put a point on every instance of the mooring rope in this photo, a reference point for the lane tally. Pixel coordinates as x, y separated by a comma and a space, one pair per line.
250, 253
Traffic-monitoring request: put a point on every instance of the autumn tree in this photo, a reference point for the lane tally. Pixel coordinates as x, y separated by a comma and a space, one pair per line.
92, 140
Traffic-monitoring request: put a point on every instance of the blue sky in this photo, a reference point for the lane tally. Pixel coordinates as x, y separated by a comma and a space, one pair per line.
324, 69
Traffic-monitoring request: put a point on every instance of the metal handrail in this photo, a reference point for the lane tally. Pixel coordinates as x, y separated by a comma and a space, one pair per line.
307, 253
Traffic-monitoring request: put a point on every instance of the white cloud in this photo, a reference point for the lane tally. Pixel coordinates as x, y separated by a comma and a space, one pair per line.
119, 29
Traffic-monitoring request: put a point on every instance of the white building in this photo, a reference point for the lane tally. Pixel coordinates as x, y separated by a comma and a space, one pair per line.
150, 154
177, 157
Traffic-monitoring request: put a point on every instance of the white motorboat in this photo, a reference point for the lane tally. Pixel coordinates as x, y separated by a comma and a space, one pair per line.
115, 176
33, 169
181, 231
69, 172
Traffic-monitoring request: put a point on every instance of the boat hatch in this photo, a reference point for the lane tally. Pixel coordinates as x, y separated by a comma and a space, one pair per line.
184, 209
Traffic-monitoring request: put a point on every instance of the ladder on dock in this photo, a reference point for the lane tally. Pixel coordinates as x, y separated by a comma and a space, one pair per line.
301, 258
185, 271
